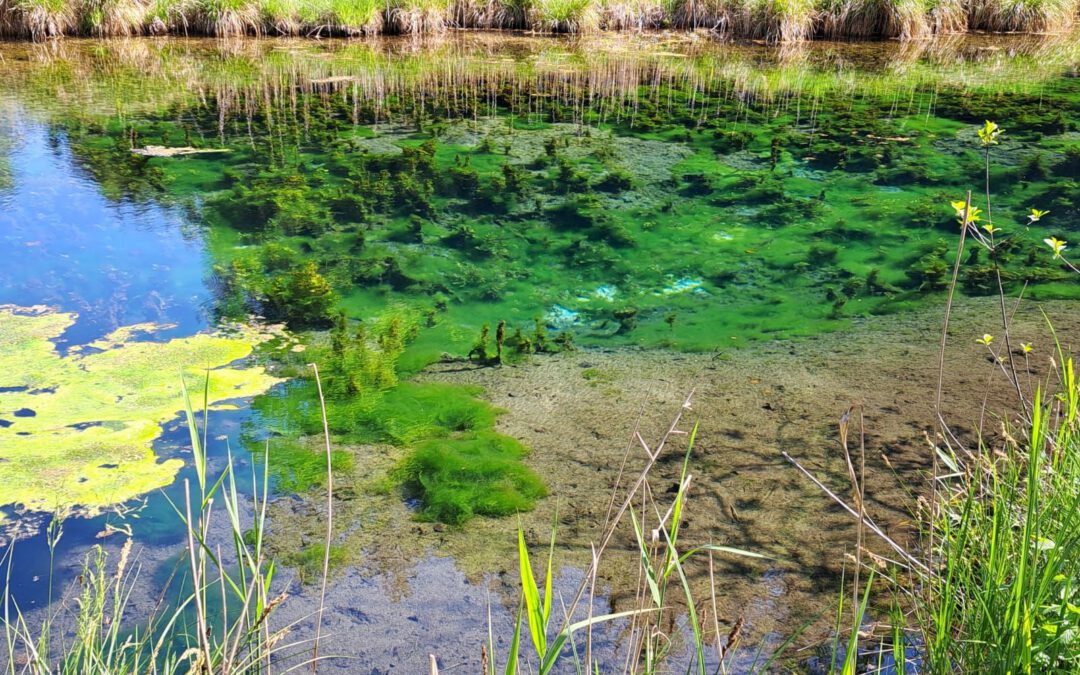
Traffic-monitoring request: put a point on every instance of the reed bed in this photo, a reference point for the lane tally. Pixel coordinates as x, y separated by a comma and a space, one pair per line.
783, 21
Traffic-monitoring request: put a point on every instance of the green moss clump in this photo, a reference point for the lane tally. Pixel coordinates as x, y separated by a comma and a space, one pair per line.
473, 473
459, 466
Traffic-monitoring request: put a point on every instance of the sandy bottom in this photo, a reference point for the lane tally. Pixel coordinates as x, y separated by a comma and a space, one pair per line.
411, 589
415, 588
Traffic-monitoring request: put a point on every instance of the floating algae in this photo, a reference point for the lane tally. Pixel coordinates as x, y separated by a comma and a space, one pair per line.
77, 428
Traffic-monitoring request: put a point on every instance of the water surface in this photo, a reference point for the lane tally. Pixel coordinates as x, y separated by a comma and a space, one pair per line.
670, 199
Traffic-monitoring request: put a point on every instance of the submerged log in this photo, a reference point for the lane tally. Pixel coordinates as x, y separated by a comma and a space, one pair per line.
162, 151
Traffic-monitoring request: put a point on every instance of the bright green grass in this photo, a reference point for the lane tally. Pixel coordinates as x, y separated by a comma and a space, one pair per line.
1005, 540
469, 474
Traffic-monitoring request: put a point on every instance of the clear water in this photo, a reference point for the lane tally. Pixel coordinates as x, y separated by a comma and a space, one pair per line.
670, 196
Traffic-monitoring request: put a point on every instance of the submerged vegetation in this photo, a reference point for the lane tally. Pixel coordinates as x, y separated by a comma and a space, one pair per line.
477, 219
503, 196
772, 20
456, 465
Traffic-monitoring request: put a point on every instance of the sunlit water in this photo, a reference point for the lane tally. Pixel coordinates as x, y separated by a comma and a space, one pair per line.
678, 197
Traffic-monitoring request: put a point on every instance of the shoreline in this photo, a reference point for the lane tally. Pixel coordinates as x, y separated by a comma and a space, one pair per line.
747, 20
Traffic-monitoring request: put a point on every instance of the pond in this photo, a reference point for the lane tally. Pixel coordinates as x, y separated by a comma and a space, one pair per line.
507, 254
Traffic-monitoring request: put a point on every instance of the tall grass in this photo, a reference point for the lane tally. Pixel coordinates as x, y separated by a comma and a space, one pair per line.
1006, 595
38, 19
768, 20
904, 19
328, 17
992, 584
632, 14
564, 16
226, 18
219, 622
490, 14
412, 17
1040, 16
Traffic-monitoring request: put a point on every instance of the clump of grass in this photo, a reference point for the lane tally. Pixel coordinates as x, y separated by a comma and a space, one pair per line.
1007, 533
1037, 16
490, 14
694, 14
632, 14
341, 17
947, 16
471, 474
170, 16
281, 17
770, 20
226, 18
39, 19
904, 19
111, 18
565, 16
775, 20
412, 17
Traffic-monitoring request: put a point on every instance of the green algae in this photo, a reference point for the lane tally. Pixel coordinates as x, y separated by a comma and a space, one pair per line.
476, 473
79, 426
692, 199
455, 465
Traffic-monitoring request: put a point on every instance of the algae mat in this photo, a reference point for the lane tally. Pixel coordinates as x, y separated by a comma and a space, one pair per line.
77, 429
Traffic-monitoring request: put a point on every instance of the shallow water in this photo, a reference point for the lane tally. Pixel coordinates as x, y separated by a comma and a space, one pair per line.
686, 213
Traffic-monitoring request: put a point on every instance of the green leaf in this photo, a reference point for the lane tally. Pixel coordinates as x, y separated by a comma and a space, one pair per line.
533, 610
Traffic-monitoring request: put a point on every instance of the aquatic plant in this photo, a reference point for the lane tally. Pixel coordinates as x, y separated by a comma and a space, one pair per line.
68, 441
989, 586
470, 474
301, 297
214, 616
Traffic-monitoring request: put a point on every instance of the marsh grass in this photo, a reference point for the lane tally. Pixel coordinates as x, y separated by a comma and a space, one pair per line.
412, 17
564, 16
38, 19
228, 18
490, 14
783, 21
632, 14
904, 19
1038, 16
110, 18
